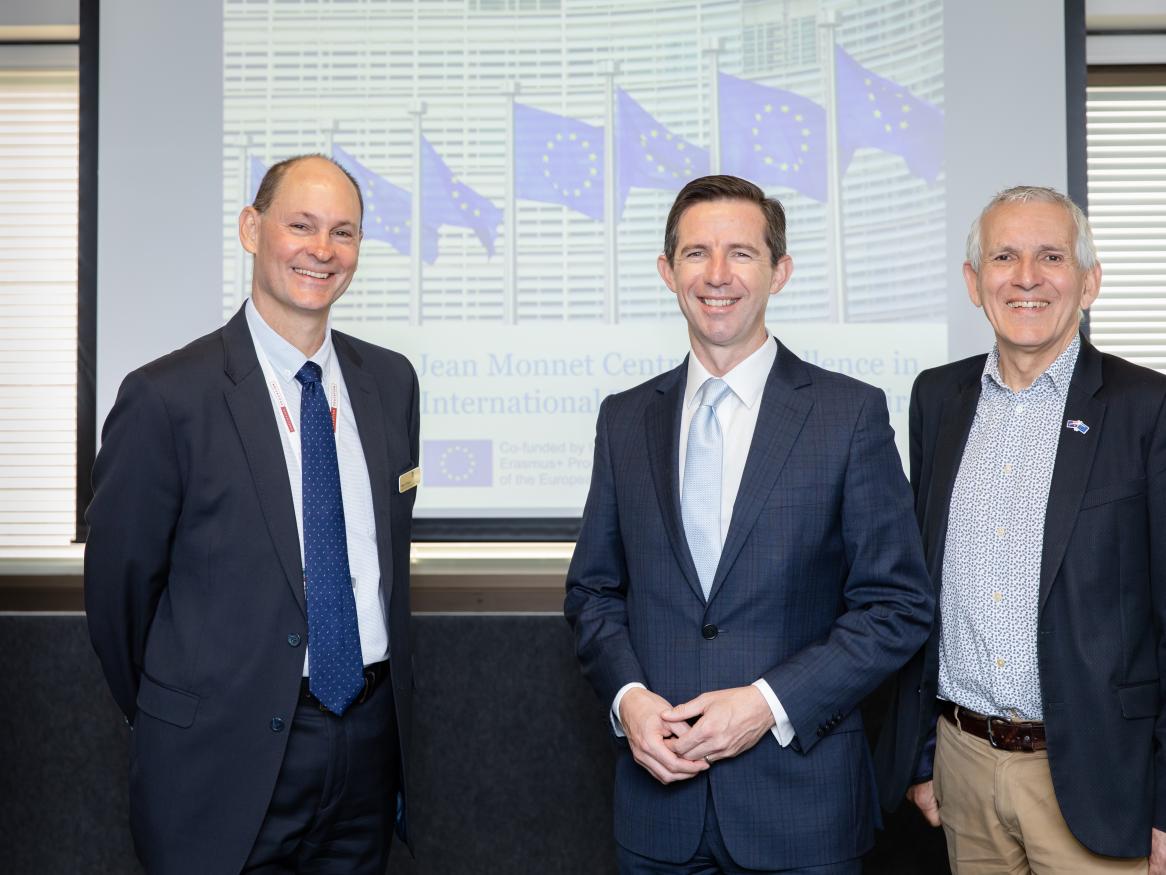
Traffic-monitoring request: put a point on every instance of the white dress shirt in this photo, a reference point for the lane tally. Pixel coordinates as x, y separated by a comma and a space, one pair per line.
737, 415
281, 361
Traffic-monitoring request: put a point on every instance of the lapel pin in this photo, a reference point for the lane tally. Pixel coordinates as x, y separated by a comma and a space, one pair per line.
1076, 425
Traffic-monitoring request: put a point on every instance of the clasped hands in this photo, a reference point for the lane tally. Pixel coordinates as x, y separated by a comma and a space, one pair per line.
724, 723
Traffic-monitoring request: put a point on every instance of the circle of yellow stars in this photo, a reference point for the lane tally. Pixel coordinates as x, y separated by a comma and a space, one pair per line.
765, 116
650, 150
471, 463
569, 191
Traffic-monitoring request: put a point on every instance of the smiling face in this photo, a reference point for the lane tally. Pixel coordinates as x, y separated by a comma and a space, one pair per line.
1030, 284
305, 244
723, 277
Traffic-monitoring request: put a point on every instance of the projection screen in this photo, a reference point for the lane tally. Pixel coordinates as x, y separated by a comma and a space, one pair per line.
517, 160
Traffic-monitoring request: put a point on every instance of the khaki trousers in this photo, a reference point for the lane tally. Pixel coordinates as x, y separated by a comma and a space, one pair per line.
1000, 815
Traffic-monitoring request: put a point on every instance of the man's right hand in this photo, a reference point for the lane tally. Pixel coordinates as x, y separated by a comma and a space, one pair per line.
639, 713
923, 795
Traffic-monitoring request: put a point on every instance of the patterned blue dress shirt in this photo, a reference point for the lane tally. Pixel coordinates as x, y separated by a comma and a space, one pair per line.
990, 592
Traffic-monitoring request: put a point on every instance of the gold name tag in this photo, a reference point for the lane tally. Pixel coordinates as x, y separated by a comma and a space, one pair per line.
409, 480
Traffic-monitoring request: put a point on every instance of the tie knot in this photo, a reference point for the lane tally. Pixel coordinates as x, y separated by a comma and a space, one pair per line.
713, 392
309, 373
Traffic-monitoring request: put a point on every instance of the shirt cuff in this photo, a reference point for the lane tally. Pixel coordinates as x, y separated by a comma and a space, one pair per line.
616, 726
782, 729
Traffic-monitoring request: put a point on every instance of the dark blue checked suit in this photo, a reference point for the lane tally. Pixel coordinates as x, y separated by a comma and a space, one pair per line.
821, 590
194, 583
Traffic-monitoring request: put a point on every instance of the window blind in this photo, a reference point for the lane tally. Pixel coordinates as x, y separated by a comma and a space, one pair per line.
1126, 145
38, 307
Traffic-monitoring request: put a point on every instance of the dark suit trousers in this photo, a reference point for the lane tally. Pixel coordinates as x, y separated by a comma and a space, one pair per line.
334, 803
712, 858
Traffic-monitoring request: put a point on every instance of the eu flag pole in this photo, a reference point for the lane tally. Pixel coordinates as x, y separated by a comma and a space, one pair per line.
712, 51
610, 266
330, 137
835, 267
417, 110
250, 165
510, 274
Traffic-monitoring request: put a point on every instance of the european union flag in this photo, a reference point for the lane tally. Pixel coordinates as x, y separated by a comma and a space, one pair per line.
458, 463
445, 201
558, 160
387, 209
258, 170
772, 136
651, 156
876, 112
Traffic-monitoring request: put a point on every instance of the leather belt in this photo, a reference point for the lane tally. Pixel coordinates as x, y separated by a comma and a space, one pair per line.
374, 675
1001, 733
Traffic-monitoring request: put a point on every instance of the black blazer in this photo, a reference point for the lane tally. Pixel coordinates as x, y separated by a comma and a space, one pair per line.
1102, 595
194, 584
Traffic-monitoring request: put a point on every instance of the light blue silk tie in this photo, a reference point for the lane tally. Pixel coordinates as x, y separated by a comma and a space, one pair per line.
700, 494
335, 663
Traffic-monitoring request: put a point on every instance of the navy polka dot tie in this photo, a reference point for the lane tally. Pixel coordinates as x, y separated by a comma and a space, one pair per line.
335, 663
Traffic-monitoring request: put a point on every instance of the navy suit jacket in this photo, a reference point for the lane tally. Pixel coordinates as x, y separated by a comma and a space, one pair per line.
821, 590
194, 583
1101, 651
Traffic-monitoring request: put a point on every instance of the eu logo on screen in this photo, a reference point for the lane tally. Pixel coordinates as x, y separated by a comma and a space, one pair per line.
458, 463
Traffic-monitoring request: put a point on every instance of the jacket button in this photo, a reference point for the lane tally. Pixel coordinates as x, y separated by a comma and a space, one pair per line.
277, 724
293, 639
709, 632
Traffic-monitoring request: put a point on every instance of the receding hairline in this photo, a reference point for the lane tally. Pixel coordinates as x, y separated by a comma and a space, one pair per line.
273, 180
302, 164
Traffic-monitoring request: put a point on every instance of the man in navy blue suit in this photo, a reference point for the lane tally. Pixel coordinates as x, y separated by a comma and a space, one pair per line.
247, 570
747, 571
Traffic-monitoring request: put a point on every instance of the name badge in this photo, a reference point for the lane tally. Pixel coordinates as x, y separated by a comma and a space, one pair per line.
409, 480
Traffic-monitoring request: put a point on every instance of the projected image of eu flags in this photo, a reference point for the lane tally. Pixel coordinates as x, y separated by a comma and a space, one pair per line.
650, 155
256, 170
387, 209
772, 136
446, 200
876, 112
559, 160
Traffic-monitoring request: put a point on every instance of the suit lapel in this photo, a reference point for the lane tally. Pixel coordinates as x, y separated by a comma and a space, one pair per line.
1075, 454
370, 424
662, 422
780, 420
955, 423
250, 405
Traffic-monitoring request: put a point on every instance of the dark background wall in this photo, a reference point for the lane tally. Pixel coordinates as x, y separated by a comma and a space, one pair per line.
513, 768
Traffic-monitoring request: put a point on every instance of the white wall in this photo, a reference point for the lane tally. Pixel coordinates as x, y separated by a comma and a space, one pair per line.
160, 193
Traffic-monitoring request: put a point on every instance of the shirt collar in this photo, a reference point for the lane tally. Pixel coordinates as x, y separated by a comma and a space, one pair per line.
1058, 374
283, 356
746, 380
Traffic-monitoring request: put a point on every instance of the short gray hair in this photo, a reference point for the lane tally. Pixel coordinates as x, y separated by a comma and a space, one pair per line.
1086, 252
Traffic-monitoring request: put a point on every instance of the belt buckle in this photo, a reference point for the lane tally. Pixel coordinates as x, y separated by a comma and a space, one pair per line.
991, 738
369, 677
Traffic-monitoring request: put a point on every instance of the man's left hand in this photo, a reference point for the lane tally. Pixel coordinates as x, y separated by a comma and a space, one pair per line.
1157, 852
730, 721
